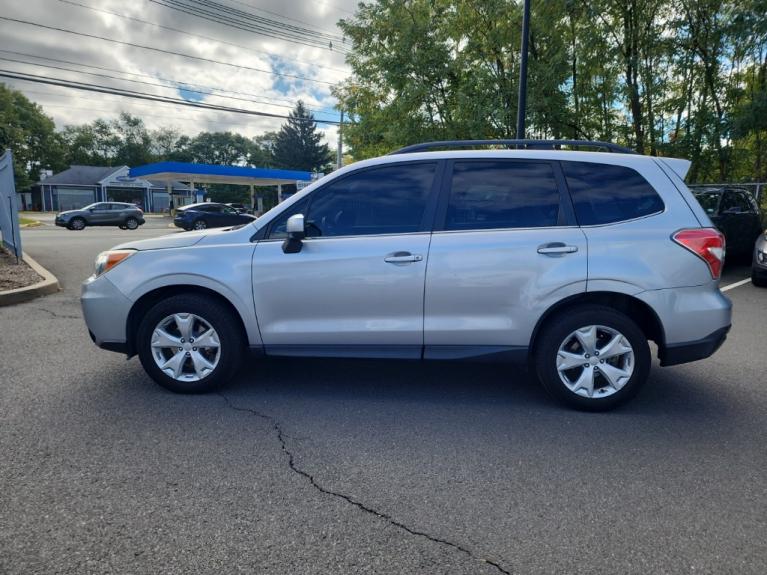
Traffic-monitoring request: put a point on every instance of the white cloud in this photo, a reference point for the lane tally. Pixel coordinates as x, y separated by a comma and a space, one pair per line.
264, 91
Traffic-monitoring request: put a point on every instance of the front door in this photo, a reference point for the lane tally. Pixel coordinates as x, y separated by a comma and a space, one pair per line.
356, 286
101, 214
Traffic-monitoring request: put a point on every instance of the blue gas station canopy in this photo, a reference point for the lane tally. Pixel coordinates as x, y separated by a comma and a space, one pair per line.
214, 174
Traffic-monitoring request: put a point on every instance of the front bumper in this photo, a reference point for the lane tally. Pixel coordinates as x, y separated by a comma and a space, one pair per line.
60, 222
180, 223
677, 353
105, 310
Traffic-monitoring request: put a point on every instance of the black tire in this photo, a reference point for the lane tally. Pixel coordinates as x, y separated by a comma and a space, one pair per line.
131, 223
220, 318
77, 224
200, 225
557, 331
758, 281
122, 227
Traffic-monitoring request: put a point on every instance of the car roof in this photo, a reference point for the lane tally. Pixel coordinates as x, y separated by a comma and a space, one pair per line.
197, 205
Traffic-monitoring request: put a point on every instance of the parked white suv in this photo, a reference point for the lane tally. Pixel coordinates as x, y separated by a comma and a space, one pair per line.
567, 260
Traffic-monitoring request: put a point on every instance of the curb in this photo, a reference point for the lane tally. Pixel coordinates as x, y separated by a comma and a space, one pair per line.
48, 285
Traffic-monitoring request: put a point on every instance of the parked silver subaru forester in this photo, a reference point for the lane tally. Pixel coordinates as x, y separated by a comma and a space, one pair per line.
567, 260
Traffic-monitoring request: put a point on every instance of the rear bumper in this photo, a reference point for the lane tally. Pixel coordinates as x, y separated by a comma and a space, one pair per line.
677, 353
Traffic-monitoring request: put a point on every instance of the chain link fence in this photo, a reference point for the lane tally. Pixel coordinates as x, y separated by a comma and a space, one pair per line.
9, 206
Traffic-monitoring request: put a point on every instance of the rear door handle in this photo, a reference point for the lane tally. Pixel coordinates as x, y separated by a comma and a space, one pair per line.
556, 248
402, 258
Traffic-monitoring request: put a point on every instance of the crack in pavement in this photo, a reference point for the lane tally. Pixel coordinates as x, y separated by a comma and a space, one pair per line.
58, 315
277, 428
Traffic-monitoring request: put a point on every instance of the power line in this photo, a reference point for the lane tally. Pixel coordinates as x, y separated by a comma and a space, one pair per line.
283, 16
177, 30
176, 119
276, 24
212, 16
176, 83
176, 87
143, 95
171, 52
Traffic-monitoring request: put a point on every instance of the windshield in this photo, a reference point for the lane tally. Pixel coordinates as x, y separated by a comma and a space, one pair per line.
709, 201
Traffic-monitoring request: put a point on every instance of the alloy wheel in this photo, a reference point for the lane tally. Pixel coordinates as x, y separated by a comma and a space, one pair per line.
595, 361
185, 347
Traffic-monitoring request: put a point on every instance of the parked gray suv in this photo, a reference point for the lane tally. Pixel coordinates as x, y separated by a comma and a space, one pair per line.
568, 261
125, 216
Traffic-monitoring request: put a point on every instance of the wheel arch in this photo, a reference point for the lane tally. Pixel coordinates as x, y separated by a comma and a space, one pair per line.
150, 298
640, 312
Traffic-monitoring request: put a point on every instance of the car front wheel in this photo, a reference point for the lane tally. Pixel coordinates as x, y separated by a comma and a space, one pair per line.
77, 224
594, 358
190, 343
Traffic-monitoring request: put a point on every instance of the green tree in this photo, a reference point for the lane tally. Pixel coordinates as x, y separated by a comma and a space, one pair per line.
224, 148
30, 135
297, 144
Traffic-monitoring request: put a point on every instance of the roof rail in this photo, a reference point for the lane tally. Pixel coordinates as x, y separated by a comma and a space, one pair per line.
523, 144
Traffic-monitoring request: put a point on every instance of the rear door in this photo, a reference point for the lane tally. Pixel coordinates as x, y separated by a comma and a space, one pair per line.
505, 248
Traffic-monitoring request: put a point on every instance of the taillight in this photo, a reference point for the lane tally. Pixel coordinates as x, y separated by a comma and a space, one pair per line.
707, 244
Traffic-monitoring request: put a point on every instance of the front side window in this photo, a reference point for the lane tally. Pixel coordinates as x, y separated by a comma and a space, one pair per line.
382, 200
502, 194
605, 194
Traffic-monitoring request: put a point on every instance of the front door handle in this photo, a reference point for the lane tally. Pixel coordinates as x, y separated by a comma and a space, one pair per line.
556, 248
402, 258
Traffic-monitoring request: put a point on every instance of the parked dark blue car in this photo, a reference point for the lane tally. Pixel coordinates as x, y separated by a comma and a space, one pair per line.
209, 215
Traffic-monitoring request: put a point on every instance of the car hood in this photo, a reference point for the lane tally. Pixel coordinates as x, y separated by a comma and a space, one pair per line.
186, 239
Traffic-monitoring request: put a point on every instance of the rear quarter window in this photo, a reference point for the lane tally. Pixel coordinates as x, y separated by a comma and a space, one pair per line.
605, 194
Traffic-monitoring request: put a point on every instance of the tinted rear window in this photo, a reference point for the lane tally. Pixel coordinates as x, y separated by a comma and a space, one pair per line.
502, 194
604, 194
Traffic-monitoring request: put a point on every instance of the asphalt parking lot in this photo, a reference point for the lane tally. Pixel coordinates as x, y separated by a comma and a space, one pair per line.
309, 466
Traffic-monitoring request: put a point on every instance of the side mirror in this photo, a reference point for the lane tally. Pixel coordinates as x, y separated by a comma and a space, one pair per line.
296, 233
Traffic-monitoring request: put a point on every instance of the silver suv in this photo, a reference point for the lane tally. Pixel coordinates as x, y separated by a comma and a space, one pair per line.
569, 261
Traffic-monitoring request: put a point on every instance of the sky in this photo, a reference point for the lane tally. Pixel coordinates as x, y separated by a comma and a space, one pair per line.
256, 71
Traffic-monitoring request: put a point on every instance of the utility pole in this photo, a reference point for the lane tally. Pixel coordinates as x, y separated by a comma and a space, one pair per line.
340, 153
522, 102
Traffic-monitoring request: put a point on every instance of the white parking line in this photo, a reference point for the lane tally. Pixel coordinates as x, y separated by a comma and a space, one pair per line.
736, 284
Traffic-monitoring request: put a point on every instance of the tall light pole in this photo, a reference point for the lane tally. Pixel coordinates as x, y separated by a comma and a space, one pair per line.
340, 149
522, 102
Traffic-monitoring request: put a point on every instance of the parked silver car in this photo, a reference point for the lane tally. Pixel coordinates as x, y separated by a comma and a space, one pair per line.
569, 261
125, 216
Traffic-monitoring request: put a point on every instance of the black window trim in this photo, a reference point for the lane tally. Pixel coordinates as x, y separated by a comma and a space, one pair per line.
565, 217
427, 222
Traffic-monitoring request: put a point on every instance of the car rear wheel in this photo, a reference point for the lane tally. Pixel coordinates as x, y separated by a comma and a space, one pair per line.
76, 224
200, 225
131, 223
594, 358
190, 343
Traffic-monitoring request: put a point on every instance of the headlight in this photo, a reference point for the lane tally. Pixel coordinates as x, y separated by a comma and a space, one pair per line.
105, 261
